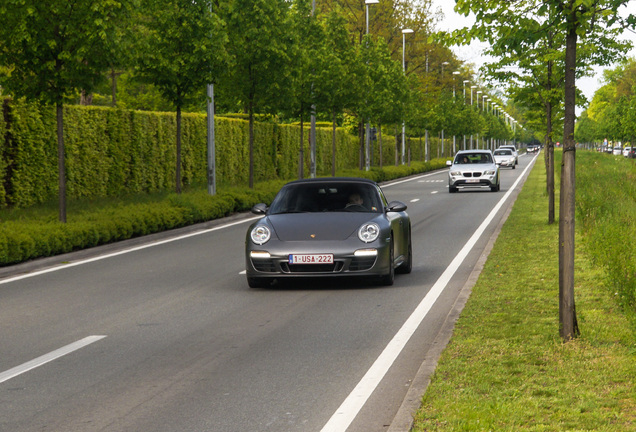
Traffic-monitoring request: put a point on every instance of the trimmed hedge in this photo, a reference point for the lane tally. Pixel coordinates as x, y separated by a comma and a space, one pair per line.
110, 152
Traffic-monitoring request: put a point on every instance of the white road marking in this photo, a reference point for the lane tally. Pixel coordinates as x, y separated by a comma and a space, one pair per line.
434, 192
410, 179
415, 200
243, 272
349, 409
122, 252
18, 370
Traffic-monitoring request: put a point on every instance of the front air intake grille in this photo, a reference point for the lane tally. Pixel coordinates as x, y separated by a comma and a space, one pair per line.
361, 263
264, 265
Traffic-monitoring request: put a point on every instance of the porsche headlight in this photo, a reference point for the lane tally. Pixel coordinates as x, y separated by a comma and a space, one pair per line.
260, 234
369, 232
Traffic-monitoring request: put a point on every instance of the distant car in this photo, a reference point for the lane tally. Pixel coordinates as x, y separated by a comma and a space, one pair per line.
618, 150
514, 151
504, 158
328, 227
626, 151
532, 148
473, 169
632, 153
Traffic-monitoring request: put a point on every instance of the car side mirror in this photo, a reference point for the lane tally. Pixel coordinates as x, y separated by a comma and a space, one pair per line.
449, 163
259, 208
396, 206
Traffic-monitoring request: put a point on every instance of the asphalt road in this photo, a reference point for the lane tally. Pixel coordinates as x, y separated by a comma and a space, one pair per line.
163, 333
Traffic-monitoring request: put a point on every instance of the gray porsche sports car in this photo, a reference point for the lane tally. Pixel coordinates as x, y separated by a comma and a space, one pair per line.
328, 227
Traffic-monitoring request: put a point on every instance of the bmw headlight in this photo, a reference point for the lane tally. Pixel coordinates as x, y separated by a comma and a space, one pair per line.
369, 232
260, 234
490, 172
455, 173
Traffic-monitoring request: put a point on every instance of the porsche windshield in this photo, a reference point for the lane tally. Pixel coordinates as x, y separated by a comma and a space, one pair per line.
327, 197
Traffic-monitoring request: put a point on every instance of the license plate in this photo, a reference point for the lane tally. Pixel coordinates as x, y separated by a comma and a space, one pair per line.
472, 181
311, 259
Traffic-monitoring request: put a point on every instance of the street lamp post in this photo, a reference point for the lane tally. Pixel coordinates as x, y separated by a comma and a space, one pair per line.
454, 136
367, 144
443, 64
404, 33
471, 104
465, 82
478, 93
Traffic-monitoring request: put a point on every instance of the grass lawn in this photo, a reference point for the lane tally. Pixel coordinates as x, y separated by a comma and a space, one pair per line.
506, 367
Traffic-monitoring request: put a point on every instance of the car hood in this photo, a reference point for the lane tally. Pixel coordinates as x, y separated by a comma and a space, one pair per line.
474, 167
322, 226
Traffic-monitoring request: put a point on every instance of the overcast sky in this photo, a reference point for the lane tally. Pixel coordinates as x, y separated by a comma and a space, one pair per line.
473, 53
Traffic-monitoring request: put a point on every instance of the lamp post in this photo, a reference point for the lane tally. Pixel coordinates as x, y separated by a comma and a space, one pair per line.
404, 33
367, 156
454, 137
465, 82
443, 64
471, 104
478, 93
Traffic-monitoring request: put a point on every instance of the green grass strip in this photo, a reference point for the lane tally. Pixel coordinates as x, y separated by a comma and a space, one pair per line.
506, 368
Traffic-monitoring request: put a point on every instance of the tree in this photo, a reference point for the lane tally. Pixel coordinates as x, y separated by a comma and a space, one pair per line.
259, 72
54, 49
388, 95
337, 87
307, 34
596, 22
181, 50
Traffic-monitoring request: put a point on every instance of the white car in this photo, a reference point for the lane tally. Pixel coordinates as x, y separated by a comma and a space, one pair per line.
473, 169
626, 151
618, 150
514, 151
505, 158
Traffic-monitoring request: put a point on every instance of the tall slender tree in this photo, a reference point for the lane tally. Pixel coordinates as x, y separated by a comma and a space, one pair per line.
259, 46
593, 23
181, 51
54, 49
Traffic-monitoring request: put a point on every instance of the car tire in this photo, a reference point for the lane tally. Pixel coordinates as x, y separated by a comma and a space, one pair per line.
514, 166
495, 188
452, 189
407, 265
389, 278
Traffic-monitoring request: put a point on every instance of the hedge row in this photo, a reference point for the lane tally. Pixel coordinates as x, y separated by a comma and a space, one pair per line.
25, 239
110, 152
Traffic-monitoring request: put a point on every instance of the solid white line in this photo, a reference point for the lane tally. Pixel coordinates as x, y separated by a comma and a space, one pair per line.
18, 370
349, 409
122, 252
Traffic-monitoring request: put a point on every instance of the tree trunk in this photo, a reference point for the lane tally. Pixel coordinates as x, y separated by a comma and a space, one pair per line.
60, 163
380, 143
301, 156
113, 87
549, 154
397, 145
567, 310
361, 136
251, 145
333, 145
178, 176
